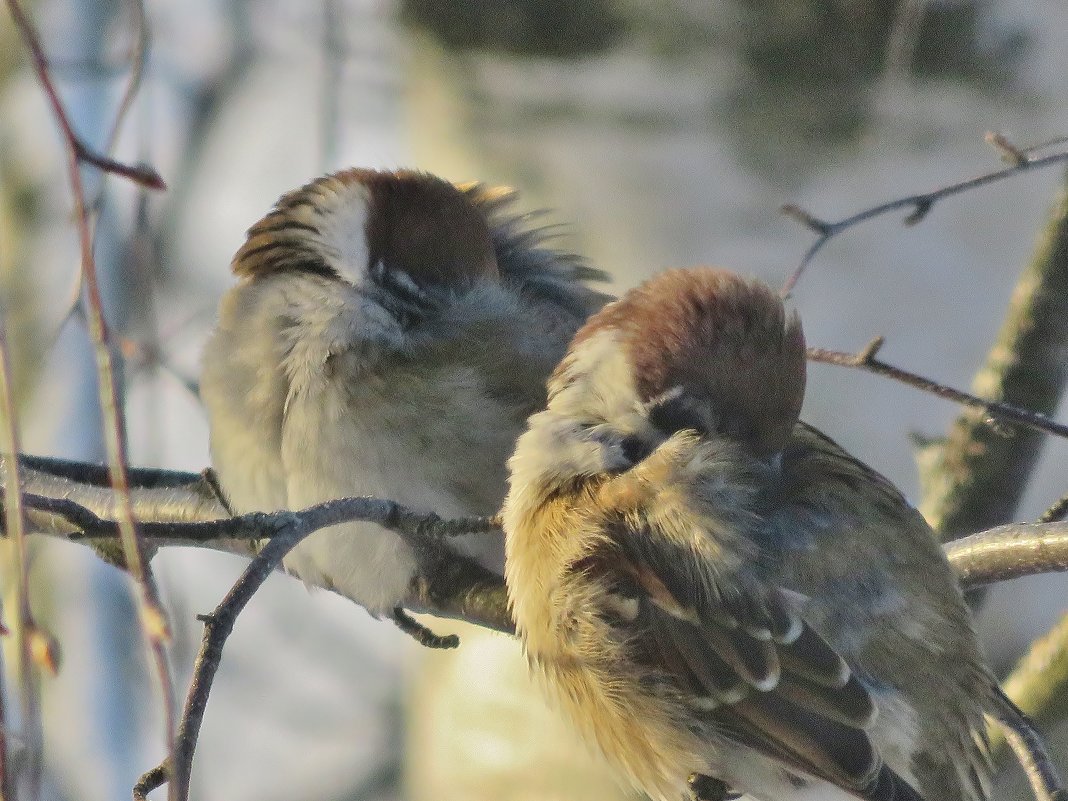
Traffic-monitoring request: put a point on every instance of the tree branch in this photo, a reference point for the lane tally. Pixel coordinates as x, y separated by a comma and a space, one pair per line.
448, 585
919, 205
285, 530
1006, 412
152, 618
15, 524
977, 477
1008, 552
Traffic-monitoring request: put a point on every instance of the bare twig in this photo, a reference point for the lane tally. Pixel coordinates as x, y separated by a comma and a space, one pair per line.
133, 83
142, 174
1030, 749
1038, 680
72, 307
153, 619
974, 478
150, 780
866, 359
920, 204
15, 525
285, 530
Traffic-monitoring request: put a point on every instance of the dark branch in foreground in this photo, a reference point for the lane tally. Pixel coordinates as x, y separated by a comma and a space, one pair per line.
285, 530
920, 205
448, 585
866, 360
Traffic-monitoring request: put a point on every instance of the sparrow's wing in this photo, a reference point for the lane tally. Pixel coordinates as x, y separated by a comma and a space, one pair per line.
751, 665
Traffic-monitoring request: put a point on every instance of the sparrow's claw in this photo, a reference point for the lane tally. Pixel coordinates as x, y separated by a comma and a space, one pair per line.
421, 633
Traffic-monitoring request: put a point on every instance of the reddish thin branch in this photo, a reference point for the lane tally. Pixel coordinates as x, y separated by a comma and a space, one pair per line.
15, 524
866, 360
133, 84
153, 619
142, 174
919, 205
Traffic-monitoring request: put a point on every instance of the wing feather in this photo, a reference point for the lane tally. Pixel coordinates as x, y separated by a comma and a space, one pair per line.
746, 662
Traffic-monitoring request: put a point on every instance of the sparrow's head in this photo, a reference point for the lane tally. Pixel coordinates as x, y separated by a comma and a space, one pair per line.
407, 242
401, 236
699, 349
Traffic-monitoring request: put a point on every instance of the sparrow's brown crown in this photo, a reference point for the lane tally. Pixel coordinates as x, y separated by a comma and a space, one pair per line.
345, 224
721, 338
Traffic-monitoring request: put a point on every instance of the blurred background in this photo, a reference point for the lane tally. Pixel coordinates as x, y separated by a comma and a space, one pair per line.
662, 134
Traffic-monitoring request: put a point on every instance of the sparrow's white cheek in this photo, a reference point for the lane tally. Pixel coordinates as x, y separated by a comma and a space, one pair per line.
344, 232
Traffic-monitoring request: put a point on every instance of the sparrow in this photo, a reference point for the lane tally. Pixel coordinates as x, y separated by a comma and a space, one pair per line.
718, 595
388, 335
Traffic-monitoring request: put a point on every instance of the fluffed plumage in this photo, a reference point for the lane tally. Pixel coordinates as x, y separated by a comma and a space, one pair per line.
388, 335
710, 587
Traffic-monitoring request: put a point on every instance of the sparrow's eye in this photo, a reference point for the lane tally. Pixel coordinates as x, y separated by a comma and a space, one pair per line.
634, 448
401, 295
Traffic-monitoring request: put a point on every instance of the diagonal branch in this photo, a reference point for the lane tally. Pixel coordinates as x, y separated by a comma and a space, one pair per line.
977, 477
918, 205
152, 618
866, 359
285, 530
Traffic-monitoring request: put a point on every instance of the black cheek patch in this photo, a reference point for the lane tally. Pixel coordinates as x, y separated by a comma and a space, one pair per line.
634, 448
676, 414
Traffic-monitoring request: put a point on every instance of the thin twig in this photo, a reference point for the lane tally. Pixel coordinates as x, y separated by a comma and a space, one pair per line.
1030, 749
150, 780
72, 307
866, 359
920, 204
142, 174
15, 524
137, 73
285, 531
153, 619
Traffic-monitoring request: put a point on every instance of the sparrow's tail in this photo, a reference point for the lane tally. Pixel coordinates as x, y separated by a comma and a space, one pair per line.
1030, 749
